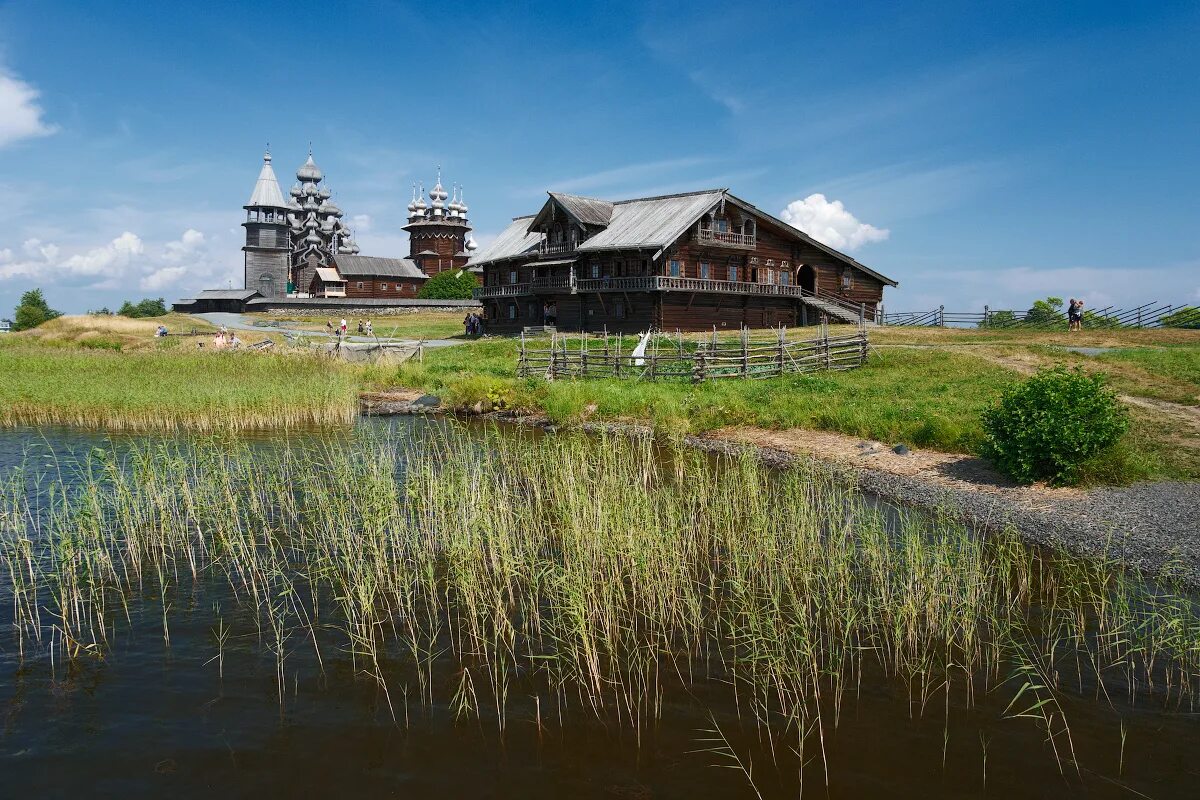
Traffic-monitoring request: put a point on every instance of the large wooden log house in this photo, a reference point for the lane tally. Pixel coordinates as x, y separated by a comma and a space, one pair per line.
690, 261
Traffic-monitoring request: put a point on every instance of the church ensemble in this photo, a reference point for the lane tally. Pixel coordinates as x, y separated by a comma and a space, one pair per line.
692, 261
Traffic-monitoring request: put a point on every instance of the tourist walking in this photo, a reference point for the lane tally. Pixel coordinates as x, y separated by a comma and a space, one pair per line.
343, 327
368, 329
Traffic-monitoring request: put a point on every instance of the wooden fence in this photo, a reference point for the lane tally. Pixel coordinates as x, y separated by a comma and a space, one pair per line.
658, 356
1147, 315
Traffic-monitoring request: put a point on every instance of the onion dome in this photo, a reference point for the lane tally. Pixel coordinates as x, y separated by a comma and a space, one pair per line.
421, 201
324, 193
471, 245
312, 238
295, 191
462, 205
309, 171
293, 205
348, 246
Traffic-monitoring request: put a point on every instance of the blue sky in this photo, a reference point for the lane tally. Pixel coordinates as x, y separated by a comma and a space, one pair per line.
977, 153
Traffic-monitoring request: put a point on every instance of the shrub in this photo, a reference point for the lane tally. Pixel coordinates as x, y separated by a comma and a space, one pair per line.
1045, 312
452, 284
1046, 427
32, 311
1183, 318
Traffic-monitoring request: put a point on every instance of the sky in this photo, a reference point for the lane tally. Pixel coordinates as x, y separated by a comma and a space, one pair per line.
976, 153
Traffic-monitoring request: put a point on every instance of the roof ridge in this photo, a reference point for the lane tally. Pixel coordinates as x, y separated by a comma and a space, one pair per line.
669, 196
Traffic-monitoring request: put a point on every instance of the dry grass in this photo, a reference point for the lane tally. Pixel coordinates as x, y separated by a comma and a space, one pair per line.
103, 332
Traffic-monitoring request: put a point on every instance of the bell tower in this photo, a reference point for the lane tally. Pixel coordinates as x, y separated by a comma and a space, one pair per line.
438, 233
268, 244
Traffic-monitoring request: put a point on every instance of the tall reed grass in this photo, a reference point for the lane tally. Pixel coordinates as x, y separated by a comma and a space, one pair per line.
600, 577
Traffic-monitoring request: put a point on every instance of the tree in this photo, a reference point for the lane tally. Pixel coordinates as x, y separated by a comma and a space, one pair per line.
144, 308
449, 285
1045, 312
32, 311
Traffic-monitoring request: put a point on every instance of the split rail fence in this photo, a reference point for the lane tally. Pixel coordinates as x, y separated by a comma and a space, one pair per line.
657, 356
1147, 315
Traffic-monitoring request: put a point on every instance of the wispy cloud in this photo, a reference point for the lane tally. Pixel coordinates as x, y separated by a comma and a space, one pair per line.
616, 177
20, 113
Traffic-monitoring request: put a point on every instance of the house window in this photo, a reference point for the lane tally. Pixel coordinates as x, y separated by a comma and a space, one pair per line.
383, 287
785, 278
704, 270
512, 311
846, 279
595, 269
674, 269
512, 276
770, 276
619, 309
723, 225
358, 285
733, 272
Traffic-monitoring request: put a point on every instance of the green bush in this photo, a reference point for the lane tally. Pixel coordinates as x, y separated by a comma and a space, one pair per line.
1183, 318
451, 284
1046, 427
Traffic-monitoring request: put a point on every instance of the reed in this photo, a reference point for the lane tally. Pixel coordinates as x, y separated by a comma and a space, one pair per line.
602, 578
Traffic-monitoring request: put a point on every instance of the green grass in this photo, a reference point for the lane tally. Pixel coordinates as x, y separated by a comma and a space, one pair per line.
924, 397
175, 388
1177, 363
416, 325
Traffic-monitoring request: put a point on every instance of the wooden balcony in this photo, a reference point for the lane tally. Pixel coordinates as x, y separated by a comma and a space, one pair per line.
552, 249
664, 283
503, 290
708, 236
551, 283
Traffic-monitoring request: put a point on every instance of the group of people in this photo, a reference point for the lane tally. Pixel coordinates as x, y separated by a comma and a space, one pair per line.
224, 339
364, 327
1075, 315
473, 324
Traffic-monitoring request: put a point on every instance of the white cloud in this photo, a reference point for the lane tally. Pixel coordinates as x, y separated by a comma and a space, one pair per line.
188, 244
109, 260
165, 278
360, 223
20, 115
830, 223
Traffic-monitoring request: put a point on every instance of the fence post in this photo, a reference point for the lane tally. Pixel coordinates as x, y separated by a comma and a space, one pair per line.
986, 315
553, 358
862, 313
698, 375
1139, 318
522, 370
941, 316
779, 354
745, 352
825, 344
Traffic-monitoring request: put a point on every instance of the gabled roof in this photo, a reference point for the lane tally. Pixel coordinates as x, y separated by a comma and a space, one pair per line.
642, 223
225, 294
652, 221
584, 210
329, 275
805, 237
377, 267
516, 240
266, 191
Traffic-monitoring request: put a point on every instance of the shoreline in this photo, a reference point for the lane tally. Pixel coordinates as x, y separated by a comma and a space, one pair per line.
1151, 526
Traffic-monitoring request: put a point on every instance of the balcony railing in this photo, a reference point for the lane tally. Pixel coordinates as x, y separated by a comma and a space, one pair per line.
556, 248
641, 283
554, 282
725, 238
503, 290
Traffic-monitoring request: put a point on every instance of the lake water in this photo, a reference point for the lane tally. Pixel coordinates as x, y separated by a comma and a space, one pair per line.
152, 719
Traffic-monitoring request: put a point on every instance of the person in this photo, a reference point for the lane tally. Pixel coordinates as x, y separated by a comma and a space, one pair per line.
343, 327
467, 324
1075, 315
360, 326
235, 342
329, 327
370, 331
160, 331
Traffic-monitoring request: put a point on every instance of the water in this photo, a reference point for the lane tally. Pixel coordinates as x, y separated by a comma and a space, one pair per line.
151, 719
